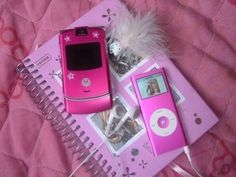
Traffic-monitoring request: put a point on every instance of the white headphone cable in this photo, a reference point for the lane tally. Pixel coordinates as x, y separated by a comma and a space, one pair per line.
187, 152
180, 170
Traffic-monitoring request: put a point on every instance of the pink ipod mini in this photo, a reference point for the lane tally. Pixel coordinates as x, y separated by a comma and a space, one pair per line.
159, 111
85, 70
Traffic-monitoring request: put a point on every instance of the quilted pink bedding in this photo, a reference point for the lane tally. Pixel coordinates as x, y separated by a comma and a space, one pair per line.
202, 37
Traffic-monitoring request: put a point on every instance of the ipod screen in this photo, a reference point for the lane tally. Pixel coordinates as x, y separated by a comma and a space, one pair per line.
151, 85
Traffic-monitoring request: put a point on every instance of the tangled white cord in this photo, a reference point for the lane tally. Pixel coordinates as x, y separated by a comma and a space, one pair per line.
182, 171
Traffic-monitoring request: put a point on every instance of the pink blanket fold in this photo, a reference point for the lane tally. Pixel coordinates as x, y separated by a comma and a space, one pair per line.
202, 37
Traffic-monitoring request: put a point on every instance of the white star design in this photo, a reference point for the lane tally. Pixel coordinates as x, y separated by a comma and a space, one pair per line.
67, 38
71, 76
95, 34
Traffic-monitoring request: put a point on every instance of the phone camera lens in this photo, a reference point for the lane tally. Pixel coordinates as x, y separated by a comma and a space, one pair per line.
81, 32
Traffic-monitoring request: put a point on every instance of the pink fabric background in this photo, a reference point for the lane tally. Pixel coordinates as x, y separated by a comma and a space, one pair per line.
202, 38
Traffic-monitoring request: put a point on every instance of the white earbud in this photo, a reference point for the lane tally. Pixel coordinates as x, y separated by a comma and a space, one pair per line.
133, 113
116, 112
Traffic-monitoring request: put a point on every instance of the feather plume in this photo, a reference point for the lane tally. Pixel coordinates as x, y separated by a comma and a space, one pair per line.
137, 34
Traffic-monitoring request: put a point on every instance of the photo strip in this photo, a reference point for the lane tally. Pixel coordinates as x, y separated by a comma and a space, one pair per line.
131, 130
122, 66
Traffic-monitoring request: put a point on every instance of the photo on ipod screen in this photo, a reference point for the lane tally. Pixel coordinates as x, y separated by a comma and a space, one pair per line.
151, 85
129, 132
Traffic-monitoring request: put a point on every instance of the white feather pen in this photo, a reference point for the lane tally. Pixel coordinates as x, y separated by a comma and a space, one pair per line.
137, 34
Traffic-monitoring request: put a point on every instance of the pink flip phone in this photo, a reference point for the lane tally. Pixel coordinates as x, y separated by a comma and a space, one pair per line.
159, 111
85, 70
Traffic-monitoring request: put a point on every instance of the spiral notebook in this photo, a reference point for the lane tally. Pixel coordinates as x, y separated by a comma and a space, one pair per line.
129, 149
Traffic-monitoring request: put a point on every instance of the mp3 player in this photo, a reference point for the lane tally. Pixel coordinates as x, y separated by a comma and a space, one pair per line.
85, 70
159, 111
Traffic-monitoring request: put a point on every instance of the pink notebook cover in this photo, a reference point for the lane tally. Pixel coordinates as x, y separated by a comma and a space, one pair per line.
130, 147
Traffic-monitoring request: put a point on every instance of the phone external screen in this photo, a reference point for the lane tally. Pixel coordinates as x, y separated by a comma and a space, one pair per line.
83, 56
151, 86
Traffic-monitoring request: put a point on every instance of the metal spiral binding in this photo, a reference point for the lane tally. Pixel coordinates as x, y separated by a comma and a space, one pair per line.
60, 120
